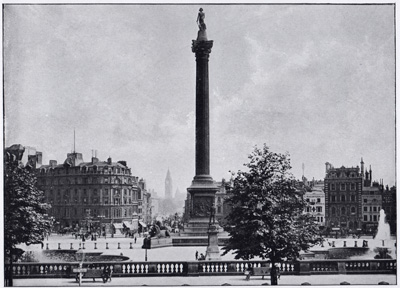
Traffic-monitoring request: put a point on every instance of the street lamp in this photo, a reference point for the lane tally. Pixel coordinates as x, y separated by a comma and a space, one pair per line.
101, 217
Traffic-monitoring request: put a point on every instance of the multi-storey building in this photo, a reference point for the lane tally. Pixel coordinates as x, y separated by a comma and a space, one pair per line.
389, 206
371, 206
343, 190
94, 195
316, 199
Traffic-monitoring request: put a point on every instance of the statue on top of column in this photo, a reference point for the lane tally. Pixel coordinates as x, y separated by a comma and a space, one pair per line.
200, 20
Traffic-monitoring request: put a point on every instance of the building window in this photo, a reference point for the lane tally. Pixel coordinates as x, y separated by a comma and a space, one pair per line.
343, 210
370, 218
322, 219
375, 218
374, 208
319, 209
353, 198
333, 210
365, 217
318, 200
365, 209
343, 198
333, 198
333, 186
342, 186
365, 200
353, 210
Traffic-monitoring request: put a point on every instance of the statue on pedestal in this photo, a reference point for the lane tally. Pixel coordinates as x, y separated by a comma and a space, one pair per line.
200, 20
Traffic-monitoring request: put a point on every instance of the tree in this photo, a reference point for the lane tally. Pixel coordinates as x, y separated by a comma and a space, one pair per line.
24, 210
266, 217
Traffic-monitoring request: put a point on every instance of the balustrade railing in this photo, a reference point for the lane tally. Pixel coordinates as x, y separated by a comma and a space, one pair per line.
203, 268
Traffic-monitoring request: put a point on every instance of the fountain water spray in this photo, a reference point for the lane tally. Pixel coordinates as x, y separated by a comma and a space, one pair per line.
383, 232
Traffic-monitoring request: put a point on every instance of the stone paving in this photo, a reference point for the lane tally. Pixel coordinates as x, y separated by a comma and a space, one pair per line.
134, 254
176, 254
287, 280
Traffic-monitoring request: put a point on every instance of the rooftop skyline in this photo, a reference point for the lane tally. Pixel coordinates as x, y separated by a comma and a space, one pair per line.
317, 81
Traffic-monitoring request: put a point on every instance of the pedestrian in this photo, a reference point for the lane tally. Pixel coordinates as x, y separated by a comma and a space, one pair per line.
197, 254
135, 239
41, 244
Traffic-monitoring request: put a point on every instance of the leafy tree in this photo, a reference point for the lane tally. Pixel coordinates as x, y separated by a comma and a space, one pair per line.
266, 217
24, 210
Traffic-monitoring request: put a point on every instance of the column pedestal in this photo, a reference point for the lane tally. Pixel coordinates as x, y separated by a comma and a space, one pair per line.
202, 196
212, 252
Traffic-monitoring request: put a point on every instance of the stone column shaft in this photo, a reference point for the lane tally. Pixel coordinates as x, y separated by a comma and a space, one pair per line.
202, 49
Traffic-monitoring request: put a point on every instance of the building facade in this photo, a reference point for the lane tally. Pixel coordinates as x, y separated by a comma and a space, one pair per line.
389, 206
343, 190
316, 199
371, 206
92, 195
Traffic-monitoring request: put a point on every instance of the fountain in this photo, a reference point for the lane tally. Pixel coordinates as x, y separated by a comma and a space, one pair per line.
382, 235
383, 228
381, 247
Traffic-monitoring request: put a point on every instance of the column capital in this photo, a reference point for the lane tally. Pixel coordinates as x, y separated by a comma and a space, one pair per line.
201, 48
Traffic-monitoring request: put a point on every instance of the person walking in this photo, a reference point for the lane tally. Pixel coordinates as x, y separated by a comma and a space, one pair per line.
197, 255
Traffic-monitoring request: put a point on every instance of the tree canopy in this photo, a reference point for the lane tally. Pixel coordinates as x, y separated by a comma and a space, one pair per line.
266, 217
24, 208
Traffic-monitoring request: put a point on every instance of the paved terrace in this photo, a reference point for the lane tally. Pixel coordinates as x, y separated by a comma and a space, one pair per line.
288, 280
178, 254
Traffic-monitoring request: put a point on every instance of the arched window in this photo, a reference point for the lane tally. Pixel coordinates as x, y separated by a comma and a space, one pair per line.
343, 211
353, 210
343, 198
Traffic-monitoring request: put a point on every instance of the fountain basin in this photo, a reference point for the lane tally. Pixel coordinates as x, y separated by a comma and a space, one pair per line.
64, 256
346, 252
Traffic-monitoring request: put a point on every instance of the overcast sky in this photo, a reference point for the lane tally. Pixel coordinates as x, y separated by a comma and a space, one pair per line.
317, 81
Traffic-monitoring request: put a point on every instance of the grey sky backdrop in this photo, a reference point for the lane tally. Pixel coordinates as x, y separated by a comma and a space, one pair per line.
317, 81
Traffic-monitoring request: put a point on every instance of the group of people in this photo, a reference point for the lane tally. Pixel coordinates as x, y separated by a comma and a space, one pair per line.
201, 257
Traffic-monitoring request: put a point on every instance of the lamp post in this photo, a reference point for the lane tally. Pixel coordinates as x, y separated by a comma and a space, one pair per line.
100, 217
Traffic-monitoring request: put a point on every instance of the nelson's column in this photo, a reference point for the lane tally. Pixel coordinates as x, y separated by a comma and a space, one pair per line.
203, 188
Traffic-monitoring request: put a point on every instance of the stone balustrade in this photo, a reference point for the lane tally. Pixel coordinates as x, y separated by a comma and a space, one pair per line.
205, 268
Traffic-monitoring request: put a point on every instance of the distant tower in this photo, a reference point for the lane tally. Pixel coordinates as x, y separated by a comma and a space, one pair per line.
362, 168
168, 186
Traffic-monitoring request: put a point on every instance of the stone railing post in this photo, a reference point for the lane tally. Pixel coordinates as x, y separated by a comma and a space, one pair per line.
304, 268
193, 269
341, 267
